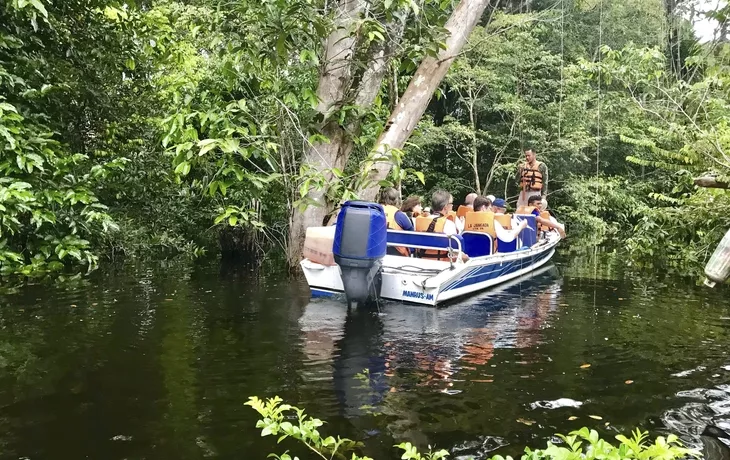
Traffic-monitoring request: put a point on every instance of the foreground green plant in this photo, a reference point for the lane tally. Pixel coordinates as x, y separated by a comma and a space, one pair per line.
287, 421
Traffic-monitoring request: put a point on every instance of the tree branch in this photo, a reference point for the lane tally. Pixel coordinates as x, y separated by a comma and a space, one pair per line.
710, 182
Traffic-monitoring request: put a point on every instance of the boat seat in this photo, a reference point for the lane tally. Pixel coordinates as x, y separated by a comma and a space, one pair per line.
425, 240
528, 236
504, 247
478, 244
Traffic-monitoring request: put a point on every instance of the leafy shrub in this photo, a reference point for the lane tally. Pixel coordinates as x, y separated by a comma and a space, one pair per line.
287, 421
600, 207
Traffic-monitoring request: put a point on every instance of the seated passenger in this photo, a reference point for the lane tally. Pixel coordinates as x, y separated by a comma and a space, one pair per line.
482, 204
503, 222
467, 206
481, 219
412, 206
438, 222
395, 218
543, 218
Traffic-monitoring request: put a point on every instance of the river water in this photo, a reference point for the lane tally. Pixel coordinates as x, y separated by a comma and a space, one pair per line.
157, 363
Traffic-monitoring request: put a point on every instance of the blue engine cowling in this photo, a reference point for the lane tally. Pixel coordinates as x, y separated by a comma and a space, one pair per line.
361, 240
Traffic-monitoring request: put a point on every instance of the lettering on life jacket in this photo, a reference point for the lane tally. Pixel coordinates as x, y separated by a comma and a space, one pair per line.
482, 221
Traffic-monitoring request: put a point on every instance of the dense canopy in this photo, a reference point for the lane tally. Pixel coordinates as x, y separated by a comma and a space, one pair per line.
153, 128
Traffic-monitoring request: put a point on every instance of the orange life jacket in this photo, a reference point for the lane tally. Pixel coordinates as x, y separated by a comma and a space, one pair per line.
505, 220
433, 225
525, 210
461, 212
482, 221
545, 215
531, 177
451, 216
390, 211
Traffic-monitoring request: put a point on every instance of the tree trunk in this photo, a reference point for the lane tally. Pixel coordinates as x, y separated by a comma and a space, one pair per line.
474, 149
420, 90
334, 90
335, 81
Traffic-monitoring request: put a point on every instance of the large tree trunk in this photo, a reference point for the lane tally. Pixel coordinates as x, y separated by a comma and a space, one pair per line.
336, 89
335, 81
413, 104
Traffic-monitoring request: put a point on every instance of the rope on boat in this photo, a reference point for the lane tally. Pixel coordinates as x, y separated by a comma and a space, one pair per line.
420, 269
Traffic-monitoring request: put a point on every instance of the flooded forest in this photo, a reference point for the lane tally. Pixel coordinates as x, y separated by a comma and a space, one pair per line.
162, 160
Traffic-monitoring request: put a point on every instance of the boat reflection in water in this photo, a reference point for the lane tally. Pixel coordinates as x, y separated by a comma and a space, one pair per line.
382, 361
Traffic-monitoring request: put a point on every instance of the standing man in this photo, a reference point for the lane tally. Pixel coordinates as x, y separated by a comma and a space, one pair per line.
532, 176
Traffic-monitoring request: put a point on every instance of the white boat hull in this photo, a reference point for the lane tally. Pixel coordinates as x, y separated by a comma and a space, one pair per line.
430, 282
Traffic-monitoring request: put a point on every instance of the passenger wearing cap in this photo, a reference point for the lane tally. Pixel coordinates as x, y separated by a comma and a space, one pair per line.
505, 234
499, 206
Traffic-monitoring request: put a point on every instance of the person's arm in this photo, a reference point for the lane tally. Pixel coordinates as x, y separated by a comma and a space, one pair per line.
403, 221
450, 228
508, 236
544, 171
552, 225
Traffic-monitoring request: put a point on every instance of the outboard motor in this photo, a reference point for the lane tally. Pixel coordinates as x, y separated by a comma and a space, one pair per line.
361, 239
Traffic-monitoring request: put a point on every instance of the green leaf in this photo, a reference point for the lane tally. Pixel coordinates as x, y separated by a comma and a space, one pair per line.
206, 145
232, 221
212, 188
183, 168
281, 46
39, 6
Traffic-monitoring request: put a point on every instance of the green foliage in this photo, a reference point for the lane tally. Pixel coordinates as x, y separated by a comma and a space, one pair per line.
49, 213
587, 444
583, 444
275, 422
148, 129
609, 207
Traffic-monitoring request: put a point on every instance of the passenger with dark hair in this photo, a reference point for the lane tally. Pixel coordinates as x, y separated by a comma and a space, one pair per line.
395, 218
542, 217
532, 175
412, 206
482, 204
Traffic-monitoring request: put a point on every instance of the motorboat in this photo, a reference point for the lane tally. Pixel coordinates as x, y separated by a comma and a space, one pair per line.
359, 267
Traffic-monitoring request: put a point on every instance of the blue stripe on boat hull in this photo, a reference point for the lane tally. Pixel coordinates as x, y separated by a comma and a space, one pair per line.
319, 292
496, 270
